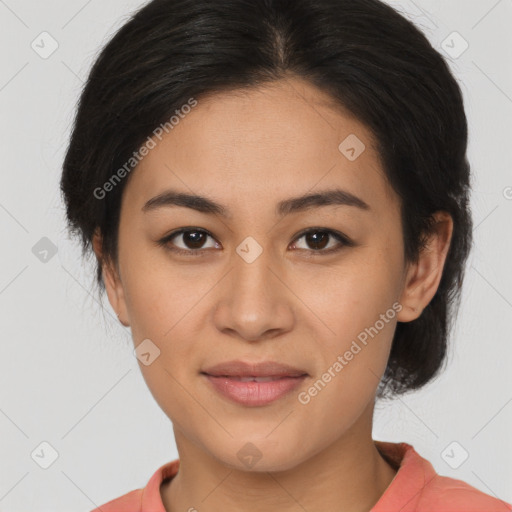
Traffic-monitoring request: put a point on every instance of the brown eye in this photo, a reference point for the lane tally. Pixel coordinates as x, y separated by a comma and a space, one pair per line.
317, 239
188, 241
323, 241
193, 239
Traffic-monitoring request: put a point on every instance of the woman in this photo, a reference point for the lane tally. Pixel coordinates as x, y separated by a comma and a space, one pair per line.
277, 195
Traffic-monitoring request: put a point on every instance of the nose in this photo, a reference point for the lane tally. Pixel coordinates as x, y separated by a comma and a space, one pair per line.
254, 302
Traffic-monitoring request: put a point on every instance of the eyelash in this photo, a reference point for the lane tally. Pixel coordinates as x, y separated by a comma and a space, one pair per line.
344, 241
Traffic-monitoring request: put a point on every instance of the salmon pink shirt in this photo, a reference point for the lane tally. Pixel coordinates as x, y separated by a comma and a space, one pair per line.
416, 487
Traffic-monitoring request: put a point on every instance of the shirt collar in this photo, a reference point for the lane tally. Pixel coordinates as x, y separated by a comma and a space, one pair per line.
414, 473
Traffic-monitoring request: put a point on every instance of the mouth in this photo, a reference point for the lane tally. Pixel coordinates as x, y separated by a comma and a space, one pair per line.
238, 368
253, 384
252, 379
253, 391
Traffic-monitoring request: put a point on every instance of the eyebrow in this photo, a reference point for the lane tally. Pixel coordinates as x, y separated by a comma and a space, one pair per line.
202, 204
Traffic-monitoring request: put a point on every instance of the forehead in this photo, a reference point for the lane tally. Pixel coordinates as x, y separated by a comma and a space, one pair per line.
247, 147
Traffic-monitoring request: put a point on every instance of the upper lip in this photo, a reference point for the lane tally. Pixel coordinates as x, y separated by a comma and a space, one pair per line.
263, 369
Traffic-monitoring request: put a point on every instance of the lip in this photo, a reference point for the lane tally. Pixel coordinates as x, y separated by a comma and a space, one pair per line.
232, 380
254, 394
237, 368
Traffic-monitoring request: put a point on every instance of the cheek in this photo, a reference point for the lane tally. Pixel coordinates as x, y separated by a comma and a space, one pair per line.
353, 362
160, 295
356, 305
163, 304
352, 296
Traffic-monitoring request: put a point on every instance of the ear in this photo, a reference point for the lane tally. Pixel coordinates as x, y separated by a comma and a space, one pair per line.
112, 280
423, 277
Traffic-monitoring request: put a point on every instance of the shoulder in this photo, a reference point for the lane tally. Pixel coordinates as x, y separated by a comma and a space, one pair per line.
146, 499
445, 494
417, 487
129, 502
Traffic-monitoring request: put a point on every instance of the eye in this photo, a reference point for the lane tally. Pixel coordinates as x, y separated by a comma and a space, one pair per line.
320, 240
192, 241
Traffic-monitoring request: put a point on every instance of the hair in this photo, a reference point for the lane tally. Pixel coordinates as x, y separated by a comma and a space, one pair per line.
368, 57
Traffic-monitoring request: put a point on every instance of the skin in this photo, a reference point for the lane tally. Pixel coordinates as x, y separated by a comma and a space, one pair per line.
248, 151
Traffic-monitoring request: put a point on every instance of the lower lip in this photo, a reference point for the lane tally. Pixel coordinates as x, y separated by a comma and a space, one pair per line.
254, 393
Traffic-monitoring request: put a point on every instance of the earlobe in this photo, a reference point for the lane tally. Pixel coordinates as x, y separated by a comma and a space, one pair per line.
423, 277
112, 281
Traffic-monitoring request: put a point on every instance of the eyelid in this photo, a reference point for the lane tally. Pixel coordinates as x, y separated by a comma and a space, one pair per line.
194, 252
317, 229
343, 240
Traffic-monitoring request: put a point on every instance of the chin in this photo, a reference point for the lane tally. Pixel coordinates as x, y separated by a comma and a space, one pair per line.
260, 455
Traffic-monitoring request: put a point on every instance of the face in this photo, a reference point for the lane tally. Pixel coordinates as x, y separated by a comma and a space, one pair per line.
262, 278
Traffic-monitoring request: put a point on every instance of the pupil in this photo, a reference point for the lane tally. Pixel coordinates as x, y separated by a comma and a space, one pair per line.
316, 240
195, 239
314, 237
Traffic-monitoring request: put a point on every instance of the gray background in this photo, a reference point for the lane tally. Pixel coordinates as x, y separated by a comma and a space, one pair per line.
68, 376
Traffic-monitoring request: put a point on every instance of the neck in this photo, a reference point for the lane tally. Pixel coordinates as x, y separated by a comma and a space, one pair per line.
349, 475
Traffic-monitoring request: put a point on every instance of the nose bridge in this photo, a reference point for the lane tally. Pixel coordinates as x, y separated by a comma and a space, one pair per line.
252, 273
253, 300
